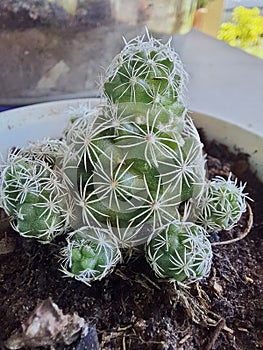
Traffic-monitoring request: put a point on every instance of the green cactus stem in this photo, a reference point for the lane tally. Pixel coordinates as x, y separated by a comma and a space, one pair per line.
32, 192
90, 255
222, 204
180, 252
127, 175
147, 72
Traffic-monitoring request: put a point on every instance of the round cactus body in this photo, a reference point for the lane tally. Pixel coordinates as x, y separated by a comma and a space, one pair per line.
222, 204
147, 72
90, 255
134, 160
180, 252
125, 174
33, 195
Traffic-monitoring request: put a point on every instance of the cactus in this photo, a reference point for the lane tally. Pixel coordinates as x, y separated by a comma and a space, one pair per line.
32, 193
129, 172
133, 162
222, 204
146, 71
90, 255
126, 179
146, 75
180, 252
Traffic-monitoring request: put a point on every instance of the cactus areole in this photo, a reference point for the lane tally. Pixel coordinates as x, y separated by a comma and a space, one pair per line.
129, 172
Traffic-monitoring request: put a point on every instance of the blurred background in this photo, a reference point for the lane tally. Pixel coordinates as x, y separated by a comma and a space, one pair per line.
57, 49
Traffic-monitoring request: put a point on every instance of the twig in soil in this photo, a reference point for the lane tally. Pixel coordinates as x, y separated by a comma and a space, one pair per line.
218, 289
119, 335
142, 283
184, 339
106, 338
197, 309
150, 281
123, 305
203, 297
137, 279
241, 329
219, 327
244, 234
121, 329
7, 244
152, 342
225, 328
122, 275
123, 342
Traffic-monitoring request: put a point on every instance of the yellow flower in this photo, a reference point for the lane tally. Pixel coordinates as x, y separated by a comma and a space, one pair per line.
245, 30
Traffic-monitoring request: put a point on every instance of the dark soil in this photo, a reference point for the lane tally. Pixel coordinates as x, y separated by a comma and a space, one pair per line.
132, 309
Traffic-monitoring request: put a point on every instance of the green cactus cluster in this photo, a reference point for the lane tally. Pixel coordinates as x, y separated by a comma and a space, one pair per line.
180, 251
129, 172
223, 203
91, 253
32, 193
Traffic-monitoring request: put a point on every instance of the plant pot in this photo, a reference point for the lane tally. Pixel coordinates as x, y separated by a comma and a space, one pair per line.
141, 307
38, 121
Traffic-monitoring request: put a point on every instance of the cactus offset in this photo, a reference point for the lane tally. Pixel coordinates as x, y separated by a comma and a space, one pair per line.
180, 252
222, 205
32, 193
90, 255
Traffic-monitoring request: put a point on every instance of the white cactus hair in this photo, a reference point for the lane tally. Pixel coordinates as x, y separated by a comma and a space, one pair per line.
129, 236
163, 51
104, 242
192, 257
32, 171
223, 203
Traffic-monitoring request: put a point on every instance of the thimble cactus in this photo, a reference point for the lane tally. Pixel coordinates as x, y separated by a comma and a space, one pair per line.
32, 193
148, 75
90, 255
180, 252
223, 203
135, 165
118, 175
147, 72
130, 171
